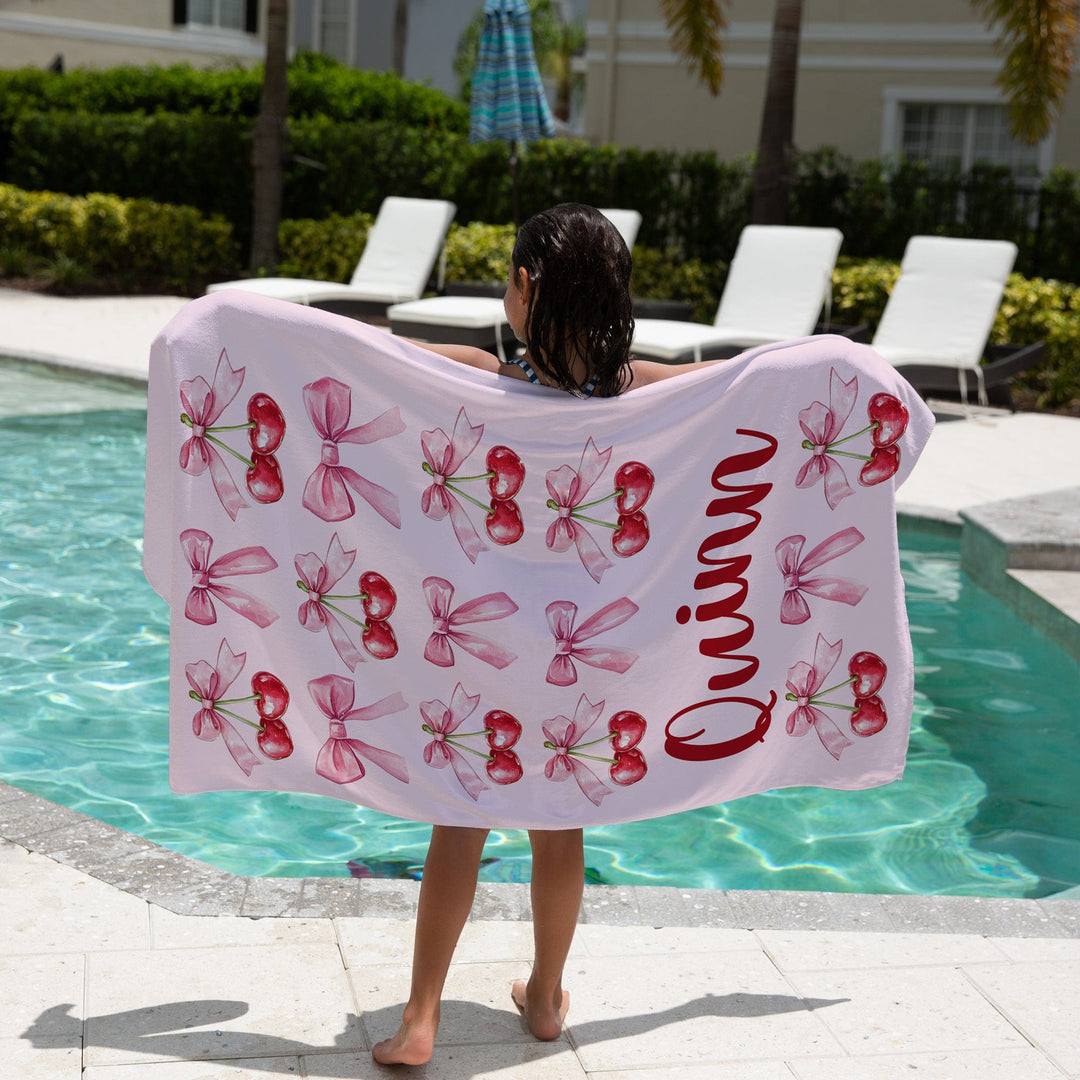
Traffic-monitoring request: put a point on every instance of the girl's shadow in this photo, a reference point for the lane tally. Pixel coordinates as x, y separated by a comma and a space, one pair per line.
191, 1031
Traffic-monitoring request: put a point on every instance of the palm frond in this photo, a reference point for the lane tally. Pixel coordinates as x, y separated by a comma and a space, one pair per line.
695, 27
1038, 38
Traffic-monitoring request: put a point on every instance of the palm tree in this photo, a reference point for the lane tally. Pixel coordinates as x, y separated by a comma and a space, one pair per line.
268, 154
401, 34
1037, 36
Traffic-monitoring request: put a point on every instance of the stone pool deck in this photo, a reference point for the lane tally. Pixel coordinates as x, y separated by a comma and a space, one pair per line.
119, 959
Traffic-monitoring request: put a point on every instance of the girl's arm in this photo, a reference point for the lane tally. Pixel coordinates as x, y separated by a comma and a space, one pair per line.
651, 371
463, 354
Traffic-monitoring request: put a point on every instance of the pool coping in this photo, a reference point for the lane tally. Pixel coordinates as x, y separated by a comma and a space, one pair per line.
157, 875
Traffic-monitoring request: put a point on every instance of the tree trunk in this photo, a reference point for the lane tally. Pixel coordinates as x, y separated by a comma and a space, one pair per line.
775, 154
401, 34
268, 154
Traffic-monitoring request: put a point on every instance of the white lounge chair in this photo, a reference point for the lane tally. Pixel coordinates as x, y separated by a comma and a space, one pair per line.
404, 242
938, 317
478, 320
779, 279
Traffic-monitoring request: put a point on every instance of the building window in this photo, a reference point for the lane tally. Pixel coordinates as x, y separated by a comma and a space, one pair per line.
960, 136
239, 15
335, 29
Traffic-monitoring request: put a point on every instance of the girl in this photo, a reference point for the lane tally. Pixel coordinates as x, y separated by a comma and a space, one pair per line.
568, 301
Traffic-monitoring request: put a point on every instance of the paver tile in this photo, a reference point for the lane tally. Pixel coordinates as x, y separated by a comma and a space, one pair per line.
52, 908
240, 1069
743, 1070
1042, 1000
41, 996
43, 1059
803, 950
1036, 950
241, 1002
1022, 1063
172, 931
672, 1011
476, 1006
910, 1010
551, 1061
639, 940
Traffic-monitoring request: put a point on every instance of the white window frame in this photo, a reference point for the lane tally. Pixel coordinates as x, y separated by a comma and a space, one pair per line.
350, 42
896, 97
215, 27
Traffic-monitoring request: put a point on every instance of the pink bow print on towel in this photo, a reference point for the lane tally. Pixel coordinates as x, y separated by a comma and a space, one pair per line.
329, 406
804, 682
568, 647
318, 576
208, 686
203, 405
822, 426
338, 759
205, 585
442, 458
441, 722
568, 488
793, 607
448, 625
564, 737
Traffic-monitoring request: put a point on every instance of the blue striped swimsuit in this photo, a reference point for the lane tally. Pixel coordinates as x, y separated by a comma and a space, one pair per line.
521, 362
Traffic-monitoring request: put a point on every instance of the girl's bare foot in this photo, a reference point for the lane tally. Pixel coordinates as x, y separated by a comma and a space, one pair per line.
545, 1019
412, 1045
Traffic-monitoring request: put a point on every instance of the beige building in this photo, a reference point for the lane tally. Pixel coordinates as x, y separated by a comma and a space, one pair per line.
104, 33
875, 78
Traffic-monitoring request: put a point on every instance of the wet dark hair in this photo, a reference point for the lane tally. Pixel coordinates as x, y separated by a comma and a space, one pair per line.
579, 266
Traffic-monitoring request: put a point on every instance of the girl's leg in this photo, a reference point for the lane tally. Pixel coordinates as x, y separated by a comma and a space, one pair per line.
558, 879
446, 896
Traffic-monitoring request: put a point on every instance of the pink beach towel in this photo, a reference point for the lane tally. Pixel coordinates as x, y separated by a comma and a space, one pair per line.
462, 599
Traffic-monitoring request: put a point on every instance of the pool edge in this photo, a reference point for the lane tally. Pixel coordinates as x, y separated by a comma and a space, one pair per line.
186, 886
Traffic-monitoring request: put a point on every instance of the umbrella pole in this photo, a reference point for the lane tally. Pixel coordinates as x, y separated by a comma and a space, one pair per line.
514, 183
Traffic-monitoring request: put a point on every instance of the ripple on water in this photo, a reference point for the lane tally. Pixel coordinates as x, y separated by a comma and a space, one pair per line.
989, 804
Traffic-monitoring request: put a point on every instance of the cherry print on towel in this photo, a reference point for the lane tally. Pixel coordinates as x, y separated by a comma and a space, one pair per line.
339, 757
793, 607
569, 487
448, 746
567, 738
568, 641
206, 584
441, 723
443, 457
867, 671
203, 406
866, 675
209, 684
326, 493
822, 426
449, 625
378, 599
804, 683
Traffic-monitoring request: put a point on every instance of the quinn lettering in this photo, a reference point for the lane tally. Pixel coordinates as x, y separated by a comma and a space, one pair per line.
727, 573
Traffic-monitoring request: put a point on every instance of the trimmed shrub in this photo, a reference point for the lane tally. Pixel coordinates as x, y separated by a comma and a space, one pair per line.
318, 86
135, 242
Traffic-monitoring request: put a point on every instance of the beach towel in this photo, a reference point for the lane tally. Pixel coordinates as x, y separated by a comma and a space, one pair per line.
458, 598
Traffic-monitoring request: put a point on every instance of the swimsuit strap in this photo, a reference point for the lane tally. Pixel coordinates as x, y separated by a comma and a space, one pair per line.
526, 367
521, 362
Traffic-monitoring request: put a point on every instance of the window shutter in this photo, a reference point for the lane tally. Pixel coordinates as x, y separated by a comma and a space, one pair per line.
251, 16
179, 12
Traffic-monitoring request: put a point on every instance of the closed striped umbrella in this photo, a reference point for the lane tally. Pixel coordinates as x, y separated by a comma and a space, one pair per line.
508, 100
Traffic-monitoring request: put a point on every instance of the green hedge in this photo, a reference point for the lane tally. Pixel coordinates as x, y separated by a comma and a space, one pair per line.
317, 86
134, 242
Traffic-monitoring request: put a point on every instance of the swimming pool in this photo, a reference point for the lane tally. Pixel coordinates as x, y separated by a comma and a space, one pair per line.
989, 805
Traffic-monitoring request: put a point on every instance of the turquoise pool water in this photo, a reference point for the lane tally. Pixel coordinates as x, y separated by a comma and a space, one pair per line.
989, 805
